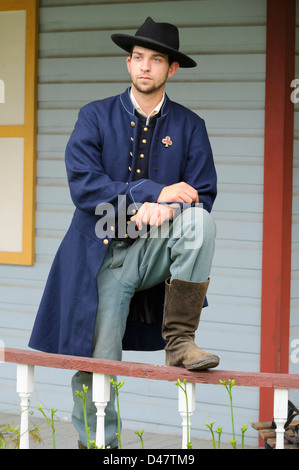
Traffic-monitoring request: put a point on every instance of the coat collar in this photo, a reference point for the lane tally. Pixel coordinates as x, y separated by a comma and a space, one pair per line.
129, 106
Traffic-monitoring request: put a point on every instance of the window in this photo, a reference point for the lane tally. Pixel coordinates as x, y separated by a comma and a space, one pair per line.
18, 116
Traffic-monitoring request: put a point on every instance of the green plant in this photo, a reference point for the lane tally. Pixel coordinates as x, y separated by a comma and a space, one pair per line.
10, 435
117, 386
243, 430
184, 388
140, 434
218, 431
231, 383
82, 396
233, 441
210, 426
50, 421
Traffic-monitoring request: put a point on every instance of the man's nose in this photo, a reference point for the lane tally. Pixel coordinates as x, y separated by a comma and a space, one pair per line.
145, 66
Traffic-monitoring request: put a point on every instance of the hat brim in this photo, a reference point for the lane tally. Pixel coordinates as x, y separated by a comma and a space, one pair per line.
126, 42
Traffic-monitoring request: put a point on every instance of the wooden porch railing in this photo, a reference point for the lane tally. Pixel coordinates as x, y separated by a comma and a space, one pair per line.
103, 369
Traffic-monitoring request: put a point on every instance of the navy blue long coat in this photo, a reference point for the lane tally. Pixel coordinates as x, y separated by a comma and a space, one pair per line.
97, 162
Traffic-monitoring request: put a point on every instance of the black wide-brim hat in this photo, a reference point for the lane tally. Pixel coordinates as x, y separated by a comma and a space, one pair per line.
160, 37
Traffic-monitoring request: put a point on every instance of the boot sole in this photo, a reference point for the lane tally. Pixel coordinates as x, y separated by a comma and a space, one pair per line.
209, 363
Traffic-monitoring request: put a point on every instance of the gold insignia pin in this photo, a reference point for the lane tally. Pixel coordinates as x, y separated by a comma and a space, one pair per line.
167, 141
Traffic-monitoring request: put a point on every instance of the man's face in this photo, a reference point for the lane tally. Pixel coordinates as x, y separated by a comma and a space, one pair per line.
149, 69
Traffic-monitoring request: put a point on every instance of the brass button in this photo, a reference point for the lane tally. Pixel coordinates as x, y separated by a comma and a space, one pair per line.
138, 171
130, 168
145, 129
133, 124
141, 155
105, 241
132, 139
134, 211
112, 228
143, 141
131, 153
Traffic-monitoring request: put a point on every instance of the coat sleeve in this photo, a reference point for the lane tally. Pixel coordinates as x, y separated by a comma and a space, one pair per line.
89, 185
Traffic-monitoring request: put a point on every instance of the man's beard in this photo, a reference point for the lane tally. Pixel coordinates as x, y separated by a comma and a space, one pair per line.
148, 91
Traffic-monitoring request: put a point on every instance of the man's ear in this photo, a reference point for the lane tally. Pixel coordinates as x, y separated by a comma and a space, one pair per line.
173, 69
128, 61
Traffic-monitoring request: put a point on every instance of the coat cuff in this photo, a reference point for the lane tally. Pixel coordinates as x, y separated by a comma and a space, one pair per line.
145, 191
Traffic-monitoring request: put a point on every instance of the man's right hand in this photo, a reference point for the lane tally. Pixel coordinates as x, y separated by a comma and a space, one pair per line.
178, 192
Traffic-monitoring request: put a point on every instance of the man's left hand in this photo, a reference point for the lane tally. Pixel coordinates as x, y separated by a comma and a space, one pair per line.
151, 213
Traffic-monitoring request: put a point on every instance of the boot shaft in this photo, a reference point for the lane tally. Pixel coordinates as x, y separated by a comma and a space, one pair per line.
182, 308
183, 305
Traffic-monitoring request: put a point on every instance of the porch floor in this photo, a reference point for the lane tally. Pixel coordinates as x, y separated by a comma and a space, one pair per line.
66, 436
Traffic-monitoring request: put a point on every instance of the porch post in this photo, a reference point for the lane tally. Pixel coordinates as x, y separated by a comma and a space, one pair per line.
278, 182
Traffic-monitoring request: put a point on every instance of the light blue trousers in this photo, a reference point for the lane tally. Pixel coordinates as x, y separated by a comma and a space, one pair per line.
182, 249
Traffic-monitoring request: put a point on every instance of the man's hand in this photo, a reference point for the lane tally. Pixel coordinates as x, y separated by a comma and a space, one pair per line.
151, 213
179, 192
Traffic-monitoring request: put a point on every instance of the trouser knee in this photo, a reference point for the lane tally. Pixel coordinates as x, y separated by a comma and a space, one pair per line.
197, 227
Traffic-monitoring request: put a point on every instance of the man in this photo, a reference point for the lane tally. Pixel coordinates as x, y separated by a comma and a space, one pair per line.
142, 178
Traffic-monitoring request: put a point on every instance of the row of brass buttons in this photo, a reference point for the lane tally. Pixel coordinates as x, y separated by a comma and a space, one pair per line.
137, 171
112, 228
140, 156
133, 125
106, 241
143, 141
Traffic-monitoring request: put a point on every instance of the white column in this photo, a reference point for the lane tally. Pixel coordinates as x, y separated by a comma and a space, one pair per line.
25, 386
100, 397
190, 389
280, 414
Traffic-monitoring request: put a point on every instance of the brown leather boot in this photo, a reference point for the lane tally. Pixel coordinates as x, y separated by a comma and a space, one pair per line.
182, 309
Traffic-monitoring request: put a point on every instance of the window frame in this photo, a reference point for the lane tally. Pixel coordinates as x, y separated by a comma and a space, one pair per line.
27, 131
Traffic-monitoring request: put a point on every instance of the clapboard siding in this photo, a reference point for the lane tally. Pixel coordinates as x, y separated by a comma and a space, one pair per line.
213, 68
98, 43
130, 15
211, 96
79, 63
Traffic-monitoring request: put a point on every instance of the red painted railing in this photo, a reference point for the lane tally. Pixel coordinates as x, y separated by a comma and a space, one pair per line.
103, 369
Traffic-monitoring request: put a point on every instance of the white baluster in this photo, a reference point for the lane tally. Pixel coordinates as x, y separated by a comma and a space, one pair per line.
100, 397
190, 389
25, 386
280, 414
